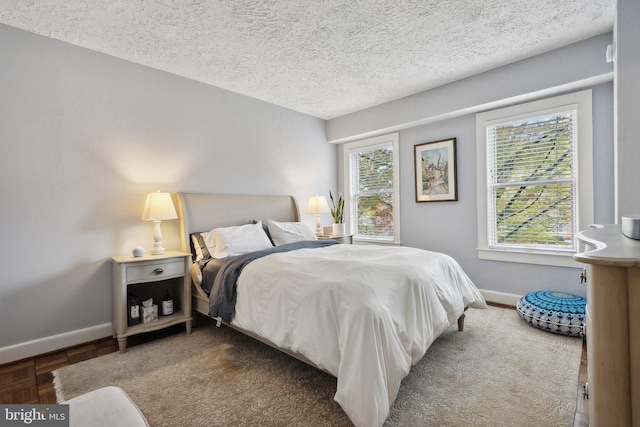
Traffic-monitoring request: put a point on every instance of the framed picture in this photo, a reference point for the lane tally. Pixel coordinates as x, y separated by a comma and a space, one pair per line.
435, 169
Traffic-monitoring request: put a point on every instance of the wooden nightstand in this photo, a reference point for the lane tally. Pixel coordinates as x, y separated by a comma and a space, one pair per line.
147, 277
342, 239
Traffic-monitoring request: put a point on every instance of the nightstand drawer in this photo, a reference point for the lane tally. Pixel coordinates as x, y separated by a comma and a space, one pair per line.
155, 271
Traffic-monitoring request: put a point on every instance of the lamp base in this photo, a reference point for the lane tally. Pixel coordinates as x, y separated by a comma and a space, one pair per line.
157, 239
318, 226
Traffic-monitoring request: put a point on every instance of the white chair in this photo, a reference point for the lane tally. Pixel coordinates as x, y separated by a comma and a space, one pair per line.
105, 407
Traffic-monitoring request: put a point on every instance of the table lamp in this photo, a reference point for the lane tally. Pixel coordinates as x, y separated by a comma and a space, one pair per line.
318, 205
158, 207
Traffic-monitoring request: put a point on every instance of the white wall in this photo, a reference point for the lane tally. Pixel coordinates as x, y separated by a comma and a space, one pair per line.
449, 111
83, 138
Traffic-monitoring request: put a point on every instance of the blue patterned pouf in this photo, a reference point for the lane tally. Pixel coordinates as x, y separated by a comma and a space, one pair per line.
557, 312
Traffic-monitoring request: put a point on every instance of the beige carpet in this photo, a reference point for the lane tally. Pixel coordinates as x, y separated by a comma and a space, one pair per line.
499, 372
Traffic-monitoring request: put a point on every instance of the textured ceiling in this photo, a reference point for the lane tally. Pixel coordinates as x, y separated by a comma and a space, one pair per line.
325, 58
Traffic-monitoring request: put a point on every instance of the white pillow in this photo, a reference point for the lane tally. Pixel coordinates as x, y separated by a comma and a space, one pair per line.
289, 232
237, 240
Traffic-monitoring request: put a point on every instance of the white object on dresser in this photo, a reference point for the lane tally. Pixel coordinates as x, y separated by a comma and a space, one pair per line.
138, 252
151, 276
613, 326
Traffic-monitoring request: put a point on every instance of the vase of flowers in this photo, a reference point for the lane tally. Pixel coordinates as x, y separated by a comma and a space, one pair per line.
337, 212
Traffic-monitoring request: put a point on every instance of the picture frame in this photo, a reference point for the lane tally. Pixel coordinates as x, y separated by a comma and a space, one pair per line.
436, 171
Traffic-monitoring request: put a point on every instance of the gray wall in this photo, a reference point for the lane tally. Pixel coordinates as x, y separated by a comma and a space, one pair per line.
451, 227
85, 136
449, 111
627, 106
578, 65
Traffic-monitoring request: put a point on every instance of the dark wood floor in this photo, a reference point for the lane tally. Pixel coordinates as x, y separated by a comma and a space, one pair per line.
30, 381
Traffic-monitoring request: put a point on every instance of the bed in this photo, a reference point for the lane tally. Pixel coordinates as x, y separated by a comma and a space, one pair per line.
363, 313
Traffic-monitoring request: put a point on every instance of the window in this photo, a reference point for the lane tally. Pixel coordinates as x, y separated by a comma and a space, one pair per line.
535, 190
371, 189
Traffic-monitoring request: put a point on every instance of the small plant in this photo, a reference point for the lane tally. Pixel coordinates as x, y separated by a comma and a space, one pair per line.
337, 208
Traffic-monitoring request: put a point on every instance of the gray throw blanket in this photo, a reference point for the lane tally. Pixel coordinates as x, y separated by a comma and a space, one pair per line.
222, 300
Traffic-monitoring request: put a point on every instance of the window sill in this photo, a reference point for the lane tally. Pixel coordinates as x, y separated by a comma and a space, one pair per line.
523, 257
361, 241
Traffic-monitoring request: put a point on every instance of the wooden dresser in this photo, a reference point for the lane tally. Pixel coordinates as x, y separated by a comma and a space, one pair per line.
612, 325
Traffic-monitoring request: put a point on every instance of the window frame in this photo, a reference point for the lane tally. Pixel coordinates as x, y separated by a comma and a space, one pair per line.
392, 140
584, 192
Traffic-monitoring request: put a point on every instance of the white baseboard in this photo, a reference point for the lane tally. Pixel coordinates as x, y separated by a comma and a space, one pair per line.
81, 336
500, 297
56, 342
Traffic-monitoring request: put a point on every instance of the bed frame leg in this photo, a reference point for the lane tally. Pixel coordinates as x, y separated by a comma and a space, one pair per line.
461, 323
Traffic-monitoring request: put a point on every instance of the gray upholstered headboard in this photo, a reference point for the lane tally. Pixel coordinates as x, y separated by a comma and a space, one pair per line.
204, 212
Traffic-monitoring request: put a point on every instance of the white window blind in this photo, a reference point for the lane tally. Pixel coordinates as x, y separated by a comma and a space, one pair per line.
372, 191
372, 200
532, 181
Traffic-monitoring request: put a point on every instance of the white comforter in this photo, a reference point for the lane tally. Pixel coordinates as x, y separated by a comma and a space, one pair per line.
363, 313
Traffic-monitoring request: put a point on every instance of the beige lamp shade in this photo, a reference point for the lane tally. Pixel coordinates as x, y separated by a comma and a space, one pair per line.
318, 205
159, 206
